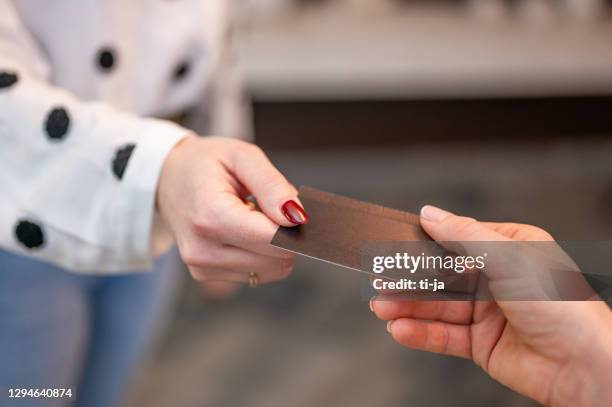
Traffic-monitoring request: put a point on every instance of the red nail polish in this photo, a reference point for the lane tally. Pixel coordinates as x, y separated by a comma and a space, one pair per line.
294, 213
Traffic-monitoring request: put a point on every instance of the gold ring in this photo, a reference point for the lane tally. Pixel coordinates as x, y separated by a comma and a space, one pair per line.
253, 280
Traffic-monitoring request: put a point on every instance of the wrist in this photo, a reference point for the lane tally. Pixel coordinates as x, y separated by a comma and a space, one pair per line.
167, 173
585, 380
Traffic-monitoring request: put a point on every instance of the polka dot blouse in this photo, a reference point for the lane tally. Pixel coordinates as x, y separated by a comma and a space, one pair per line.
80, 157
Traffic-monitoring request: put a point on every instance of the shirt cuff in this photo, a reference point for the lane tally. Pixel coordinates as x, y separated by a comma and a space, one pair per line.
140, 179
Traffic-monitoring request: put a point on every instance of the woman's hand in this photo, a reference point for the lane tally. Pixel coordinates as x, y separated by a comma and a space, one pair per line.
558, 353
201, 195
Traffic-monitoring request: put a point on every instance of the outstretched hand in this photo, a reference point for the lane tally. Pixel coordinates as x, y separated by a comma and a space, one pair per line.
202, 195
557, 353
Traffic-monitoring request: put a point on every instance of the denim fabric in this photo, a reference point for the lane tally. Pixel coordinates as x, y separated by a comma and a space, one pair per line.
87, 332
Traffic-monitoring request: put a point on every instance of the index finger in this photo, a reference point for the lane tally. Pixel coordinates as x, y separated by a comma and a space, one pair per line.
249, 229
273, 192
456, 312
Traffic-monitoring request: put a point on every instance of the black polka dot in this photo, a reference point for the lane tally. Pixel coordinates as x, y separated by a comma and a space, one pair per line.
29, 234
106, 59
57, 124
8, 79
120, 162
182, 71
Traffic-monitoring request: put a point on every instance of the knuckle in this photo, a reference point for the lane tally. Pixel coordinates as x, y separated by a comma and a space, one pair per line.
189, 255
539, 233
244, 151
196, 258
440, 341
207, 261
283, 271
382, 311
273, 181
284, 255
466, 226
253, 149
225, 145
203, 224
212, 212
387, 310
522, 231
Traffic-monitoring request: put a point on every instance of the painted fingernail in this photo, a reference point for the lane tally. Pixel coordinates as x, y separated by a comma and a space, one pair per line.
372, 303
389, 326
294, 213
433, 214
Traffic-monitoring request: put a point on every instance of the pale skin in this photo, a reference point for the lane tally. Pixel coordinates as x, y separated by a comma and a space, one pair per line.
201, 196
557, 353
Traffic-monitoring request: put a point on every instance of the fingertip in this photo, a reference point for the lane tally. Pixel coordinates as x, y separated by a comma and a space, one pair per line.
434, 214
294, 212
387, 309
403, 332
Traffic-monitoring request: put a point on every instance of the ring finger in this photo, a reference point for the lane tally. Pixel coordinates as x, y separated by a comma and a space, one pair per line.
208, 274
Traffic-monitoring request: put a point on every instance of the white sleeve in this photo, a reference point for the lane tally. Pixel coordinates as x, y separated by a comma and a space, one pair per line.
78, 180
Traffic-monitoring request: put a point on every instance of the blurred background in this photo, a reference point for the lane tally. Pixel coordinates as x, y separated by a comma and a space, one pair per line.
501, 110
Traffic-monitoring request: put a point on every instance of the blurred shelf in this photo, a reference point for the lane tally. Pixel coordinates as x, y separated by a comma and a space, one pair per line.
325, 124
405, 53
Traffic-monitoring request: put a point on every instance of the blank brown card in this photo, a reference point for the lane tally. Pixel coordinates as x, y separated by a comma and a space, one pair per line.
338, 227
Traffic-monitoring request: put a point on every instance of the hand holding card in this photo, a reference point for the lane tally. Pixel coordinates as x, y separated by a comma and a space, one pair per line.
339, 226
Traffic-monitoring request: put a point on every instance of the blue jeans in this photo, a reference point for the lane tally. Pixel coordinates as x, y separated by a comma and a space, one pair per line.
86, 332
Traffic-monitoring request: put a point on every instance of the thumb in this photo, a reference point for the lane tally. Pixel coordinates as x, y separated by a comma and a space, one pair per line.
276, 197
463, 235
444, 226
513, 271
